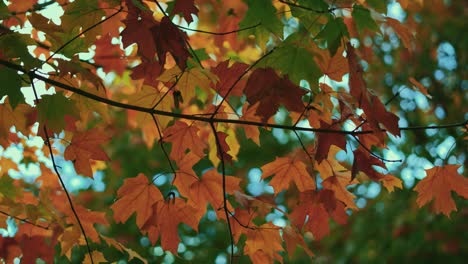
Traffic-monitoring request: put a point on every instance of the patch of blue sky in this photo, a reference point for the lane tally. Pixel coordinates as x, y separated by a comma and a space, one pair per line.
256, 185
446, 56
160, 179
443, 148
395, 11
373, 190
11, 228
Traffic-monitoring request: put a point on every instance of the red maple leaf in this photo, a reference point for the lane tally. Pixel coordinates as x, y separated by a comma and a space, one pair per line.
168, 38
364, 162
325, 140
228, 76
266, 87
147, 70
138, 24
109, 55
186, 8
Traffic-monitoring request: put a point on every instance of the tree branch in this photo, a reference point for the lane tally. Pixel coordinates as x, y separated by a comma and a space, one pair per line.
208, 119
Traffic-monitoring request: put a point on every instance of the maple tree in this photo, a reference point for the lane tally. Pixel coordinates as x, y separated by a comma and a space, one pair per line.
200, 93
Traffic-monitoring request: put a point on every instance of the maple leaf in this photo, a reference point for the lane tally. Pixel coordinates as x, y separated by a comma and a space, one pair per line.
325, 140
292, 239
109, 55
263, 244
147, 70
224, 147
132, 254
138, 24
333, 66
438, 185
186, 8
10, 249
209, 189
363, 161
16, 117
390, 182
338, 186
148, 97
11, 83
166, 218
402, 31
248, 114
227, 78
183, 137
188, 80
286, 170
42, 249
136, 195
88, 218
48, 114
315, 210
267, 88
264, 13
168, 38
85, 146
295, 61
185, 175
373, 108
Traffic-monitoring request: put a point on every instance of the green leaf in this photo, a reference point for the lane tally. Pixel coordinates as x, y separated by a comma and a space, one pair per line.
362, 18
263, 12
52, 110
332, 33
379, 5
7, 187
14, 45
295, 61
4, 12
11, 86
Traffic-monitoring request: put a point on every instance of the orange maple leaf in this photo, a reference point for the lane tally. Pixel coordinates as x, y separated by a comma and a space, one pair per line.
287, 170
165, 220
183, 137
334, 67
209, 189
315, 210
136, 195
85, 146
438, 184
263, 244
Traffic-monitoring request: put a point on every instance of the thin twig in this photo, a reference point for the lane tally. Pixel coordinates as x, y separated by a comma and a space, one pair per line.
373, 154
161, 142
218, 33
24, 220
70, 202
223, 171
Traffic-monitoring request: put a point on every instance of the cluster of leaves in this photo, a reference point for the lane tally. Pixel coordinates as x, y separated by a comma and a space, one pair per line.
195, 99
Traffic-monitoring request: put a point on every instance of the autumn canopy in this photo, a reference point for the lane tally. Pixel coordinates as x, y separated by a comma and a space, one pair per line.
239, 131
